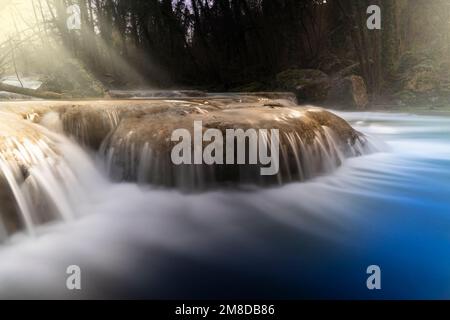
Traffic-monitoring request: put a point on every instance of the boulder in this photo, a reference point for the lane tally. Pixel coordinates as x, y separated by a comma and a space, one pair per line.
313, 141
309, 85
349, 92
250, 87
409, 60
330, 64
289, 96
134, 137
421, 80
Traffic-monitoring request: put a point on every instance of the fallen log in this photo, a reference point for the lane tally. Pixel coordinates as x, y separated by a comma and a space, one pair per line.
31, 92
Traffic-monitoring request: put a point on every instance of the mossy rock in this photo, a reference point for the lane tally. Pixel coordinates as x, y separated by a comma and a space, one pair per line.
419, 99
409, 60
418, 73
309, 85
422, 82
406, 96
250, 87
330, 64
349, 93
140, 147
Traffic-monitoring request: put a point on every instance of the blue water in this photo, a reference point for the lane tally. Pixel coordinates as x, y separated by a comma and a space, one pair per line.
303, 240
404, 206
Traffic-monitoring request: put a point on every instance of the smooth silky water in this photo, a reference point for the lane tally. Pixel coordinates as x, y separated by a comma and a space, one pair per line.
312, 239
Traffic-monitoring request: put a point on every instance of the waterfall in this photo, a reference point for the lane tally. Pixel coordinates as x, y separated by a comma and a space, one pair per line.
131, 160
312, 143
140, 241
39, 182
53, 156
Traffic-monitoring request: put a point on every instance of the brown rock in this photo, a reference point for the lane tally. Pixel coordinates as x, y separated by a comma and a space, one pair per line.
349, 93
309, 85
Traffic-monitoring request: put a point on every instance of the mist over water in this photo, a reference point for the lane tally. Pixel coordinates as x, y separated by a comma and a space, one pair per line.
312, 239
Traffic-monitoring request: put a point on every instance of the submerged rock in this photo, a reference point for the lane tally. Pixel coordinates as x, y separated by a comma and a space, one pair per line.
134, 138
312, 142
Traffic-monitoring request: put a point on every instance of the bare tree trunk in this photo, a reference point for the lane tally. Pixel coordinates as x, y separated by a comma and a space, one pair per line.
31, 92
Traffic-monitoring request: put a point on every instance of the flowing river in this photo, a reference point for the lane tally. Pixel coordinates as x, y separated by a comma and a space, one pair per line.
313, 239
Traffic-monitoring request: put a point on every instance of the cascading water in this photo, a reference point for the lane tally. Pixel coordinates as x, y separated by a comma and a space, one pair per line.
38, 181
308, 239
133, 142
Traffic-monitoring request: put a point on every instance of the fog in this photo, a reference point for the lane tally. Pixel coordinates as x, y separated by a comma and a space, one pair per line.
36, 43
